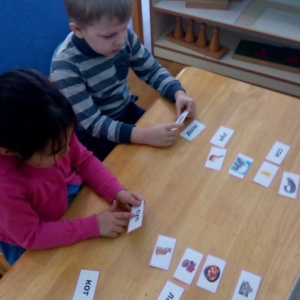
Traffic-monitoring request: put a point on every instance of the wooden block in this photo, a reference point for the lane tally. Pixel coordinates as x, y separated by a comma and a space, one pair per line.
207, 4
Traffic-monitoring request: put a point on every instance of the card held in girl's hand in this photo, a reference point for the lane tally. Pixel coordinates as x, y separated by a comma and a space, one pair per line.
171, 291
137, 220
163, 252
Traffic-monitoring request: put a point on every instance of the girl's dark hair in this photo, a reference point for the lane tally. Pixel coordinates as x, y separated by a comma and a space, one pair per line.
33, 112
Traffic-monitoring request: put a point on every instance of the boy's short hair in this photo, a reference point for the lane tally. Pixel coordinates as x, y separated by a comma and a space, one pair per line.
87, 12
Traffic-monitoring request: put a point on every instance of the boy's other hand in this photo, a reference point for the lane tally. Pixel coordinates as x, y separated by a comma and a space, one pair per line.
184, 102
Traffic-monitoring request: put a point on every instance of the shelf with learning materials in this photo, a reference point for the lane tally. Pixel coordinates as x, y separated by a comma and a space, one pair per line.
271, 22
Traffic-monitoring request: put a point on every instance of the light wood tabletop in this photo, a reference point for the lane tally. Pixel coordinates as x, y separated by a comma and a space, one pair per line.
249, 226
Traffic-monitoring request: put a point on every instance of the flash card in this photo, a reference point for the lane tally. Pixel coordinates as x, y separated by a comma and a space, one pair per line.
181, 118
278, 153
247, 286
215, 158
137, 220
86, 285
163, 252
289, 185
240, 166
191, 131
188, 266
222, 136
171, 291
211, 273
265, 174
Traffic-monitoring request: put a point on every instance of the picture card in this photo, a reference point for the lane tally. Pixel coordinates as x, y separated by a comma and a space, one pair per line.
289, 185
278, 153
86, 285
171, 291
240, 166
191, 131
211, 273
163, 252
247, 286
265, 174
222, 136
137, 220
215, 158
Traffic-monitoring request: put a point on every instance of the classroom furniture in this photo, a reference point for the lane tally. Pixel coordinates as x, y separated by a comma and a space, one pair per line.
137, 19
249, 226
273, 23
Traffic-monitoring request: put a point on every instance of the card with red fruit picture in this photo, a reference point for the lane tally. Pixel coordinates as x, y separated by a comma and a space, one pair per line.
215, 158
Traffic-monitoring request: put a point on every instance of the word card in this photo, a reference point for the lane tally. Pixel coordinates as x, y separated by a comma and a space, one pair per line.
289, 185
181, 119
171, 291
278, 153
215, 158
222, 136
247, 286
86, 285
188, 266
211, 274
191, 131
137, 220
240, 166
265, 174
163, 252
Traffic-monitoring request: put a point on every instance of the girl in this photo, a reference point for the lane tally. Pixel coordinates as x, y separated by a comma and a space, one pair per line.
42, 167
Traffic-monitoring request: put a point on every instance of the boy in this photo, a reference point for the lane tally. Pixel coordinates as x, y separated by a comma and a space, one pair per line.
91, 67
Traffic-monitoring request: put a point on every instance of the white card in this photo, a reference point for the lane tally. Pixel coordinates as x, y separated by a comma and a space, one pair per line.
191, 131
86, 285
247, 286
240, 166
171, 291
181, 118
188, 266
137, 220
215, 158
278, 153
222, 136
163, 252
289, 185
211, 273
265, 174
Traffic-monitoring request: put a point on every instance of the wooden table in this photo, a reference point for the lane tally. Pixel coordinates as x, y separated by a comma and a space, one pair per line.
249, 226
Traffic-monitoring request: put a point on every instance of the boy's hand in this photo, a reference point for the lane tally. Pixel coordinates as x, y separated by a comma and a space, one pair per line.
183, 102
126, 199
112, 223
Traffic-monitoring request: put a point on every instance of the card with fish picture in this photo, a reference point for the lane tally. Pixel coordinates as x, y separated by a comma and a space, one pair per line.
265, 174
240, 166
289, 185
215, 158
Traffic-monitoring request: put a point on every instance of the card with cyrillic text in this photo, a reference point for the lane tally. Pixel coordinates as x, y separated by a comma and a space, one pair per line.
278, 153
215, 158
211, 273
265, 174
86, 285
171, 291
188, 266
222, 136
247, 286
163, 252
289, 185
240, 166
137, 220
181, 118
191, 131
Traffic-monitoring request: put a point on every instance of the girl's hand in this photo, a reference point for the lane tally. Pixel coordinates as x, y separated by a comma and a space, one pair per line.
126, 199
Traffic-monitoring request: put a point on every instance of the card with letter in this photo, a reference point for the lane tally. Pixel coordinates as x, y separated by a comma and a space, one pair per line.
215, 158
240, 166
188, 266
222, 136
211, 273
86, 285
181, 118
163, 252
265, 174
289, 185
247, 286
191, 131
171, 291
278, 153
137, 220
